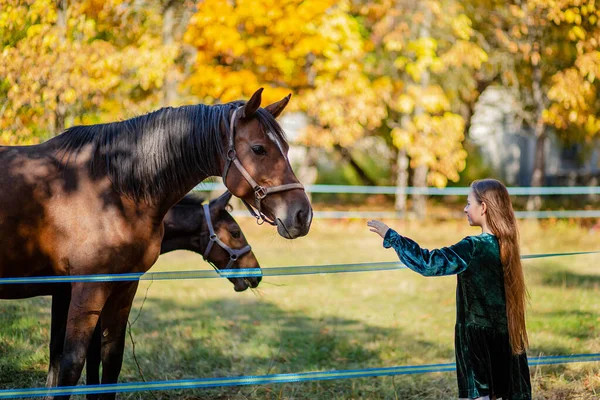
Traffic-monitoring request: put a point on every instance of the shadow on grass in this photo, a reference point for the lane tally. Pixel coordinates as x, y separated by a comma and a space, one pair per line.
576, 324
227, 326
227, 338
220, 338
562, 278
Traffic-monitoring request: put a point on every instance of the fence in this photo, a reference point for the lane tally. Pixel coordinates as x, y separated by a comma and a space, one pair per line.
449, 191
264, 379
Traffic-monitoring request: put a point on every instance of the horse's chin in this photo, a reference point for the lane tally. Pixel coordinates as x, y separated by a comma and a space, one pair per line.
282, 230
289, 233
241, 284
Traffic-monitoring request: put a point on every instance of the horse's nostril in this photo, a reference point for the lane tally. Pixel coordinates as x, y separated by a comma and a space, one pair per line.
300, 217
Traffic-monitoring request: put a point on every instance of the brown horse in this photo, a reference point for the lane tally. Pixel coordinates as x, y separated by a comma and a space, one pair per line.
188, 226
92, 201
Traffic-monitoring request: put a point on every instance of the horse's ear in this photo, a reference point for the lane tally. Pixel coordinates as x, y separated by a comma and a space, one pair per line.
252, 105
220, 203
276, 108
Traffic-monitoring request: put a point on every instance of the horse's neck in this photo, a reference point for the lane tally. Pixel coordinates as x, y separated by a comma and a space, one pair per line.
157, 167
171, 199
181, 224
183, 166
175, 243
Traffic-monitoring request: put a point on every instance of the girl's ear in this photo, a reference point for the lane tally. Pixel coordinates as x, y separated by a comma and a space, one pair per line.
483, 208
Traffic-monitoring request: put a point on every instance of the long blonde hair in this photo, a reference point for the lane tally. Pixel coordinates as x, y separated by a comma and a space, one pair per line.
503, 224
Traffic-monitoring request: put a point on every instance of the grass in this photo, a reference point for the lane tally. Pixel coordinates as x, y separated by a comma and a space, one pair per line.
202, 328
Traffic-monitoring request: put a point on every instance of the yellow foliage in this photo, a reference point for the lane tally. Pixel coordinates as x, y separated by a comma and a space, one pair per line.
53, 73
573, 89
572, 98
461, 27
343, 109
434, 141
311, 48
465, 54
245, 45
422, 104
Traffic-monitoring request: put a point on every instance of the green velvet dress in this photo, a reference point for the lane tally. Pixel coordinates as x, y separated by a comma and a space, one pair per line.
485, 364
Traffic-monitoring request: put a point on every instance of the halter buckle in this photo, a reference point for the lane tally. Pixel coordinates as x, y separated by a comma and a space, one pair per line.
231, 154
260, 193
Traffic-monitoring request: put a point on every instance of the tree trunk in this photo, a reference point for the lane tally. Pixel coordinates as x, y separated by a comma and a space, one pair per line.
420, 174
537, 179
419, 200
59, 119
534, 202
170, 85
401, 181
61, 22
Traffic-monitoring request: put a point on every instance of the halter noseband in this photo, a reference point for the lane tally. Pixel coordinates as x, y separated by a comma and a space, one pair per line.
260, 192
234, 254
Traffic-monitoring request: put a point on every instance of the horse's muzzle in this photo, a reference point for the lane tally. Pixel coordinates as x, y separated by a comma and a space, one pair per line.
241, 284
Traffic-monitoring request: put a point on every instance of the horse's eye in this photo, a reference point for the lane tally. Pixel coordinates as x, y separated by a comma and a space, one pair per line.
259, 150
236, 234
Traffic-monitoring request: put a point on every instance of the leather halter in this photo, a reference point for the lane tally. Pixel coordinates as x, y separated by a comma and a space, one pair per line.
260, 192
234, 254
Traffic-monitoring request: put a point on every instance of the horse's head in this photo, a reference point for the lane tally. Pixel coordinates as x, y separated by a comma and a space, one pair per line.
211, 231
258, 171
230, 248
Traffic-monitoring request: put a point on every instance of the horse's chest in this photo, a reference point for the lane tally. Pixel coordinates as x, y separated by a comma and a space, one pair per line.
104, 243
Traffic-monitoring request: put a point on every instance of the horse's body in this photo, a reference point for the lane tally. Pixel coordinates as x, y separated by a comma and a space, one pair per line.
60, 221
92, 201
186, 228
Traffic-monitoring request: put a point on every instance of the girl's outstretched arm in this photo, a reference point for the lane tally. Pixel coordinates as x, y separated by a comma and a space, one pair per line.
445, 261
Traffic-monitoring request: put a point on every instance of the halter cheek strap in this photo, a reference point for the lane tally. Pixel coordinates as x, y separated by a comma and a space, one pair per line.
234, 254
260, 192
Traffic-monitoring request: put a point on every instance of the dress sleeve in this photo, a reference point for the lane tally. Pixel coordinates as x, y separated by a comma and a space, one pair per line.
445, 261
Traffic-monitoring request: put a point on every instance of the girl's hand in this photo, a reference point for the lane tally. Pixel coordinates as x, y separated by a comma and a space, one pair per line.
378, 227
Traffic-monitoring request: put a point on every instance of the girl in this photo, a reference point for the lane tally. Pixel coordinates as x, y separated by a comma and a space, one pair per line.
490, 336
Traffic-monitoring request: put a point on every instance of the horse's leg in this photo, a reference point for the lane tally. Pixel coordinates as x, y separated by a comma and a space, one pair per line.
114, 328
60, 310
87, 301
92, 363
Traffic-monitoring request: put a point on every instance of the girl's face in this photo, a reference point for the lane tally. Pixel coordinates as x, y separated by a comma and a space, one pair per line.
475, 210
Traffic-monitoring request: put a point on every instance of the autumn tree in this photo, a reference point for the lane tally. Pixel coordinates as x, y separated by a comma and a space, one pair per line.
546, 53
66, 62
313, 49
423, 60
573, 90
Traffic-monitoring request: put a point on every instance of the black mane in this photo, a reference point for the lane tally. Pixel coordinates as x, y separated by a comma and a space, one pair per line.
152, 154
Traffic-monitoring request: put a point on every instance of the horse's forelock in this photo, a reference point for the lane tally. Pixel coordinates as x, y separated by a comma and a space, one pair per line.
270, 124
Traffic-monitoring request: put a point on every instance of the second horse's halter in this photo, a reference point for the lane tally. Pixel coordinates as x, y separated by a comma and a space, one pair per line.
260, 192
234, 254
